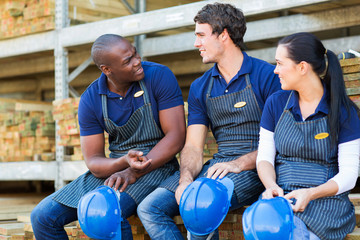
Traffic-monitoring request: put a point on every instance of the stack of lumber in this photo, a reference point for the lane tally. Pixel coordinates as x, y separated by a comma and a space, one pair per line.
210, 147
21, 17
15, 212
13, 205
27, 131
351, 71
65, 112
81, 11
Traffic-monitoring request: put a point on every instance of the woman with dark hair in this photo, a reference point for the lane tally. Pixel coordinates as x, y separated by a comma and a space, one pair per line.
310, 139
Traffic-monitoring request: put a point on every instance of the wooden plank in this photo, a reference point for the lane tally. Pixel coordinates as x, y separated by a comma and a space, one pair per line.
355, 235
357, 215
352, 84
4, 237
349, 62
29, 235
28, 227
231, 235
10, 228
353, 91
351, 76
25, 218
178, 220
12, 215
18, 236
89, 15
141, 237
136, 229
33, 106
69, 230
17, 208
351, 69
112, 7
355, 198
231, 226
355, 98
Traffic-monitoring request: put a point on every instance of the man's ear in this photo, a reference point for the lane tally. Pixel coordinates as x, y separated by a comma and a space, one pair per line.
224, 35
105, 69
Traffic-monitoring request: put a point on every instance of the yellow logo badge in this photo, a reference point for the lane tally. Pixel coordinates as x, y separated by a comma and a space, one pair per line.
139, 93
321, 135
239, 104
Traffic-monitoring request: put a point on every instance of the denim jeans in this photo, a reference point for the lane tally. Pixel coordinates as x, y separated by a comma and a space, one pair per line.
49, 218
157, 211
301, 232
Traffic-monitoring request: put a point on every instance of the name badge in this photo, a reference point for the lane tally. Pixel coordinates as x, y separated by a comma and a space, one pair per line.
139, 93
239, 104
321, 135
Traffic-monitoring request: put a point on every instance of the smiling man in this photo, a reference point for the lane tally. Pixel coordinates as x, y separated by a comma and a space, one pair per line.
140, 105
229, 99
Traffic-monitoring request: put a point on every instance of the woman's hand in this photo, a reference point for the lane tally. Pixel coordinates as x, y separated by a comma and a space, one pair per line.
273, 191
303, 197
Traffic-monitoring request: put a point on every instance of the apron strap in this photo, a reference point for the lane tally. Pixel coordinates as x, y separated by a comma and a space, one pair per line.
146, 94
288, 100
208, 91
109, 126
247, 79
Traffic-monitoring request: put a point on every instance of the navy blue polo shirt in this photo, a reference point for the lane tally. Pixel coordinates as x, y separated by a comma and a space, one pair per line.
274, 107
262, 78
162, 86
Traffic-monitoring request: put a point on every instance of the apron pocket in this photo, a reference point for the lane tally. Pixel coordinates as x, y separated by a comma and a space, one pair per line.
233, 149
296, 175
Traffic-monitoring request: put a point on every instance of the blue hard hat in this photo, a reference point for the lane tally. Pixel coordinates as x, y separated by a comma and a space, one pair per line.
205, 203
99, 214
269, 219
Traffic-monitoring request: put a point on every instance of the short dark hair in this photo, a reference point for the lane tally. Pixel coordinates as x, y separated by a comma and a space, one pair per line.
103, 44
222, 16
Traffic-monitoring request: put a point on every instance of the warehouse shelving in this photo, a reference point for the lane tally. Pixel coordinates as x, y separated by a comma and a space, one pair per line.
332, 15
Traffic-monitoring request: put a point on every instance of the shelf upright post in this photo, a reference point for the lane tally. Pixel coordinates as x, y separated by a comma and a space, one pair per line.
140, 6
61, 77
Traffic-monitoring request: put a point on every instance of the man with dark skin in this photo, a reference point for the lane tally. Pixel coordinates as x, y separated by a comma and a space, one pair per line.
141, 107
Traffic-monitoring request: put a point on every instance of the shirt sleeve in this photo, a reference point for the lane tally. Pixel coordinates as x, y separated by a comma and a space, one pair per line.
266, 150
166, 89
196, 112
348, 160
89, 124
350, 126
267, 117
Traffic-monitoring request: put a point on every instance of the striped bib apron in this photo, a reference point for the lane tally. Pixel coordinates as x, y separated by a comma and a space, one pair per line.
140, 132
235, 120
305, 158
